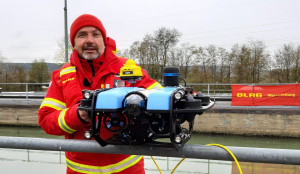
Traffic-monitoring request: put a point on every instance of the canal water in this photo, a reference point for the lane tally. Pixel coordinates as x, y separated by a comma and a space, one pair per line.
14, 161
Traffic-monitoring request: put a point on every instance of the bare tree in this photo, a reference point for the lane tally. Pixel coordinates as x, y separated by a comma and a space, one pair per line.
296, 70
225, 64
201, 59
185, 58
155, 50
284, 59
136, 54
164, 40
232, 57
241, 63
212, 62
245, 63
2, 68
174, 57
259, 60
18, 74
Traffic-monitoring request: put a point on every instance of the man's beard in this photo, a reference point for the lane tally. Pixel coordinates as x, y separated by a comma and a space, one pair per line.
90, 56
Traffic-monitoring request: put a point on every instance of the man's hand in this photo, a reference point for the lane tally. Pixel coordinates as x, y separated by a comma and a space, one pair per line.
84, 116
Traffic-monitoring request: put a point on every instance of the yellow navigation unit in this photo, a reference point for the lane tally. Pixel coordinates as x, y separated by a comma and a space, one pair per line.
130, 71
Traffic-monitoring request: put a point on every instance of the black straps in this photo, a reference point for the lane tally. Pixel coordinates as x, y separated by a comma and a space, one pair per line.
92, 67
86, 82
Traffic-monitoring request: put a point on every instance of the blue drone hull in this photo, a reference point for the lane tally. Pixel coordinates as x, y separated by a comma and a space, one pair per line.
158, 100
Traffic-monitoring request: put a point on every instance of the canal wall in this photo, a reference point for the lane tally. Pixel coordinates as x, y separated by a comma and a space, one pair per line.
250, 121
254, 121
19, 115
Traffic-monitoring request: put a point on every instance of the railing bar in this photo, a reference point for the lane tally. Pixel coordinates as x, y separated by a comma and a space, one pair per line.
246, 154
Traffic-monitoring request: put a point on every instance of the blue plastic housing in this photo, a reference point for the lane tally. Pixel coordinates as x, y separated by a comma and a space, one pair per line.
160, 99
112, 99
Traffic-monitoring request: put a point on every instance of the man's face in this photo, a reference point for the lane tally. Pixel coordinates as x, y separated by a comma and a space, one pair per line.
89, 43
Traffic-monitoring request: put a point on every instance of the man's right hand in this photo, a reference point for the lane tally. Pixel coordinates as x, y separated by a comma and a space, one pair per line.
84, 115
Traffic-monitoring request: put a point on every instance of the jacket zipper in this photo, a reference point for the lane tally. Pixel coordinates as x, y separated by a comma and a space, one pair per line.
92, 67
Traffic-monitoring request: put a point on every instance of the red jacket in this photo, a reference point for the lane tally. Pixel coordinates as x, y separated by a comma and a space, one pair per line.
58, 111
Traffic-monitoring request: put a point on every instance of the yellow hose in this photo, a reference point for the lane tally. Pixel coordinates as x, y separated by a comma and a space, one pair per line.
177, 165
156, 165
219, 145
236, 161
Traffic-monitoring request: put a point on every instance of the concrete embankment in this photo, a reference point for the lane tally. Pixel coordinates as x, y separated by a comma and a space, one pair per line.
19, 112
221, 119
283, 122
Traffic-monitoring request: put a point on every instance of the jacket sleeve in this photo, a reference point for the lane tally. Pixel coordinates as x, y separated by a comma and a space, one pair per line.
147, 82
53, 116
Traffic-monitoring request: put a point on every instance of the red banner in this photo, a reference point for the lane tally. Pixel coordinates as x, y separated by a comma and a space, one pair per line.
279, 95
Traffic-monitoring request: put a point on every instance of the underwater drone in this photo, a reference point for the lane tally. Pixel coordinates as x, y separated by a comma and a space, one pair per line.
144, 116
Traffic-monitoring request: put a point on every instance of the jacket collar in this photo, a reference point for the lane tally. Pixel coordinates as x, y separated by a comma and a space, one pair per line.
101, 65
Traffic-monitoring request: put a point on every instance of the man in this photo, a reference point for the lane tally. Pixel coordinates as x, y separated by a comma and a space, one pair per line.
93, 65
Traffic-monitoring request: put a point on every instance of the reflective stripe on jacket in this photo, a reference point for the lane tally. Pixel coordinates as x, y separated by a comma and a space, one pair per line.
53, 103
155, 85
113, 168
62, 123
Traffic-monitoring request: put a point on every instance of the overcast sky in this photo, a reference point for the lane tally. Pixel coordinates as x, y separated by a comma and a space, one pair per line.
31, 29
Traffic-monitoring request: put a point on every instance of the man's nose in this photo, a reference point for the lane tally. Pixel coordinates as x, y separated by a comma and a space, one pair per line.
90, 38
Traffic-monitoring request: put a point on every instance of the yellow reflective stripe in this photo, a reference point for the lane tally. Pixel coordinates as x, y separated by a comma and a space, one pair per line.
124, 164
67, 70
113, 168
53, 103
62, 123
155, 85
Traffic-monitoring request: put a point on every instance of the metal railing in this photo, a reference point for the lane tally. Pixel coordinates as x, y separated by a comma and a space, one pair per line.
219, 88
245, 154
22, 89
30, 90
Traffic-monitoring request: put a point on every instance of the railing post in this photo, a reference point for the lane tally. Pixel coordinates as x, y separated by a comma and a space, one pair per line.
27, 92
28, 155
167, 163
208, 166
59, 157
208, 89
